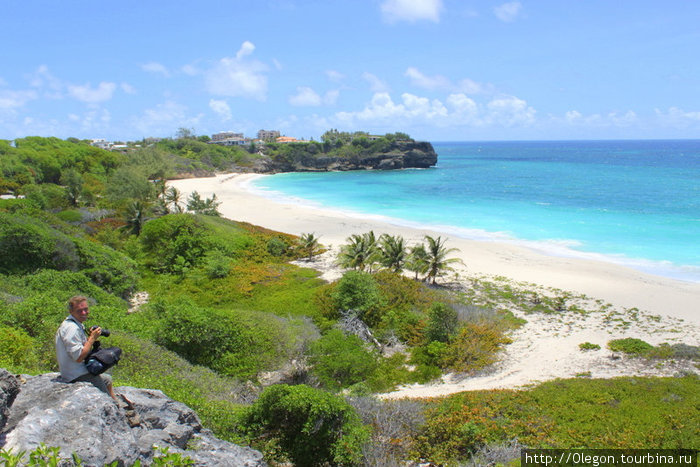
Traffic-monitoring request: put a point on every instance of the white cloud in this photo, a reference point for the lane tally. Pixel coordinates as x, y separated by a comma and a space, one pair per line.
629, 118
510, 111
573, 116
127, 88
428, 82
439, 82
221, 108
465, 109
508, 12
411, 10
677, 117
165, 118
155, 67
458, 110
86, 93
375, 84
190, 70
43, 80
238, 77
330, 97
10, 100
305, 97
334, 76
247, 48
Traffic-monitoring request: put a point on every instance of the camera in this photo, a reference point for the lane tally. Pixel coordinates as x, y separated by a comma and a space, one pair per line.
105, 332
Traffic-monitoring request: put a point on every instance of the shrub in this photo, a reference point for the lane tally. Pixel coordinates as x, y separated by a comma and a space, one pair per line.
277, 246
340, 361
588, 346
310, 426
217, 267
630, 345
442, 323
18, 350
358, 291
475, 347
173, 242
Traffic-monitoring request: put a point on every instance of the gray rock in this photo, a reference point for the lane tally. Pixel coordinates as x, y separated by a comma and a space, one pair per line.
9, 388
79, 418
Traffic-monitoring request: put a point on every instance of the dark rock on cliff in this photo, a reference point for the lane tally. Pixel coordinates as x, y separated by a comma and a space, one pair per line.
79, 418
399, 155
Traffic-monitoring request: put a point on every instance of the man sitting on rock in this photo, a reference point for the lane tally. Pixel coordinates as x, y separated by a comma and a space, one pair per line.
73, 347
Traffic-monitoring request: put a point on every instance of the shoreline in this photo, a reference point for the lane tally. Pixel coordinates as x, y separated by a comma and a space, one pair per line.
652, 308
617, 284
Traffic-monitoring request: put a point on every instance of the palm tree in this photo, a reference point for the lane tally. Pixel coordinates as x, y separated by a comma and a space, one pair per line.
173, 198
360, 253
437, 261
417, 260
136, 216
392, 252
308, 243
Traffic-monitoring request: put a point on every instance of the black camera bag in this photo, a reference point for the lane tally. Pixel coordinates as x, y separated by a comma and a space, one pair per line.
103, 359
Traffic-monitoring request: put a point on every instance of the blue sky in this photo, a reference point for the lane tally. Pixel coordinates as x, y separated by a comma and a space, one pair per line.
440, 70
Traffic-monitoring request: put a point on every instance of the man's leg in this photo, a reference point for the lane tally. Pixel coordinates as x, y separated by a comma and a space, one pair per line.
102, 382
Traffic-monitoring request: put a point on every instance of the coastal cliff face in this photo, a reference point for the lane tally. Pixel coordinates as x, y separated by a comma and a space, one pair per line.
80, 419
399, 155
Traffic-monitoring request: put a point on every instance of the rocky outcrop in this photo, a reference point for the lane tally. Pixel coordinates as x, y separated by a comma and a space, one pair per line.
399, 155
80, 419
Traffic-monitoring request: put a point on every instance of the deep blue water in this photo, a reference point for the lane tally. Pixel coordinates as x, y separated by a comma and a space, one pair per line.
631, 202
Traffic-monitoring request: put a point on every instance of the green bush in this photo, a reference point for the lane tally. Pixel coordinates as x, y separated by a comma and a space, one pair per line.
277, 247
588, 346
475, 347
630, 345
18, 350
172, 242
358, 291
340, 361
442, 323
311, 427
217, 267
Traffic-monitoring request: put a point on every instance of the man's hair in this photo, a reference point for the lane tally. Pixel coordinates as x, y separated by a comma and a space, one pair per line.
74, 300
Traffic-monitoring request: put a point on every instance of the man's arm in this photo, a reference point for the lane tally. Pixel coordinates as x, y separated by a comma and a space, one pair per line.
87, 347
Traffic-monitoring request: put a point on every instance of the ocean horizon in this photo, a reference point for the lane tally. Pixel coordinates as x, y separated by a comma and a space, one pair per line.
629, 202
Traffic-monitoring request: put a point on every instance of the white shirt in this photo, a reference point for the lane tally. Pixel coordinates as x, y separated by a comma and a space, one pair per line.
70, 339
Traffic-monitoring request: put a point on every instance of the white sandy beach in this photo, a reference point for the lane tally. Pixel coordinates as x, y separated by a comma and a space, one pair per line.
541, 349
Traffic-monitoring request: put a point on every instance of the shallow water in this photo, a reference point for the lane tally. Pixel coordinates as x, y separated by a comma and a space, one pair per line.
631, 202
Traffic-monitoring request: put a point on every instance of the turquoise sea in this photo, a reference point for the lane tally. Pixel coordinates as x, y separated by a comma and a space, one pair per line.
635, 203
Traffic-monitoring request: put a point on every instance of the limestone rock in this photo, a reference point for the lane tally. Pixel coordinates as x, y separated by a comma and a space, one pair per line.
79, 418
9, 387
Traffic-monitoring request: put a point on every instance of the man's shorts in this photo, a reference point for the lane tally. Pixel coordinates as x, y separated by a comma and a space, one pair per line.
99, 381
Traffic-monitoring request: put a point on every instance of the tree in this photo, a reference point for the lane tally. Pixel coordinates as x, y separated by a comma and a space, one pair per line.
442, 323
359, 291
437, 261
308, 244
73, 182
392, 252
360, 253
417, 260
173, 198
136, 216
185, 133
208, 207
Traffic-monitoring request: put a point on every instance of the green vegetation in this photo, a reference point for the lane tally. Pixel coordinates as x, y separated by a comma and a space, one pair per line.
588, 346
306, 425
229, 312
578, 413
46, 456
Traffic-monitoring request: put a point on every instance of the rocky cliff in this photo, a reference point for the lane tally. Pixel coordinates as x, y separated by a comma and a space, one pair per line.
399, 155
80, 419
